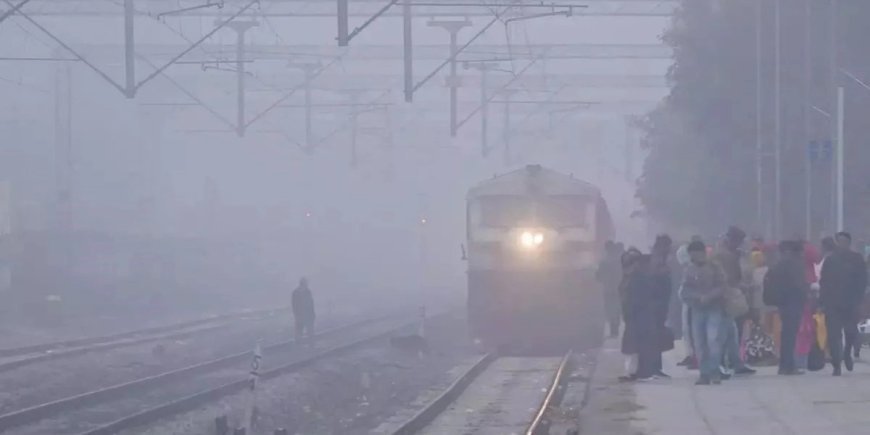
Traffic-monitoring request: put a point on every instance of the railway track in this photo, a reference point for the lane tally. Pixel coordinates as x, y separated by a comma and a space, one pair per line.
147, 400
496, 395
12, 358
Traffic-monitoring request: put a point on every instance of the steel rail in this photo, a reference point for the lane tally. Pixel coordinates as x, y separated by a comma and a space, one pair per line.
42, 411
50, 356
437, 406
87, 341
540, 425
175, 407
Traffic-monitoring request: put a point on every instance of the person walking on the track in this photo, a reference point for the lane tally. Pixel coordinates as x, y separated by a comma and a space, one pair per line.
303, 312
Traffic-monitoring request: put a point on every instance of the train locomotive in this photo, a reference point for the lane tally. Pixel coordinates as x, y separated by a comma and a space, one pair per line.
534, 239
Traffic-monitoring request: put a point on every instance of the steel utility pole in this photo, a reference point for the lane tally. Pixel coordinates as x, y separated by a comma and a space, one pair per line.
342, 15
834, 74
64, 169
484, 68
63, 147
484, 110
354, 96
308, 69
408, 50
777, 154
129, 50
759, 146
309, 132
240, 27
506, 130
841, 148
808, 184
453, 81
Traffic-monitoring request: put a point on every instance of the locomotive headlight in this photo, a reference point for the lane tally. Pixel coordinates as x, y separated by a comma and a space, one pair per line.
531, 239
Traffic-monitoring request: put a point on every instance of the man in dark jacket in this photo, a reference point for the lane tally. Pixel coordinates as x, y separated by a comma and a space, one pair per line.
842, 286
303, 311
787, 277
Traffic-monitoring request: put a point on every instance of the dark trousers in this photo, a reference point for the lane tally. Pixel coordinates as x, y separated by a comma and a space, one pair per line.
740, 321
841, 323
646, 361
304, 328
657, 362
791, 321
646, 344
613, 324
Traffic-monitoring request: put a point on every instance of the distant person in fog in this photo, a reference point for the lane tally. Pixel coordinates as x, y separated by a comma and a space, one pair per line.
303, 311
608, 274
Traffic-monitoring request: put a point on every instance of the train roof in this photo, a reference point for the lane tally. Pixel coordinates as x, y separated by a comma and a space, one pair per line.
533, 179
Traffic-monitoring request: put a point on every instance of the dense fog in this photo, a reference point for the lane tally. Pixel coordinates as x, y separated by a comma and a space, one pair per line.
154, 207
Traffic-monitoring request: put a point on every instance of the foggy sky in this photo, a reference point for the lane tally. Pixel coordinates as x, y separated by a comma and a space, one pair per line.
365, 223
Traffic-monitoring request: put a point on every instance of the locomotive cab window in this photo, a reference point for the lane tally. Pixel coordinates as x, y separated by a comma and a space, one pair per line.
559, 211
505, 211
563, 211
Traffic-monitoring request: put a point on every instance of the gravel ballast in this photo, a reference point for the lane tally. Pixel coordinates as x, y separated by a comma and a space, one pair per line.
348, 394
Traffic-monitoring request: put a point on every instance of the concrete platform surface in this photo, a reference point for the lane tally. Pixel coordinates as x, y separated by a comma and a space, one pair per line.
763, 404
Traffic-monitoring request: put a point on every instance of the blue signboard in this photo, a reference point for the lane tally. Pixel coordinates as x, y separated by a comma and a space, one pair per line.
827, 150
820, 150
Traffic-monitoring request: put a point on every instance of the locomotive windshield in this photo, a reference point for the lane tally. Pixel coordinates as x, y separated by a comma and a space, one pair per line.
558, 211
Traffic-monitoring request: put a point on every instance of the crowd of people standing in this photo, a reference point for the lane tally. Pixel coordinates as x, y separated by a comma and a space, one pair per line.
788, 304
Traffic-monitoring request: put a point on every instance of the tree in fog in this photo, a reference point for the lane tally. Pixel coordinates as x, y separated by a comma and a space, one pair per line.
701, 171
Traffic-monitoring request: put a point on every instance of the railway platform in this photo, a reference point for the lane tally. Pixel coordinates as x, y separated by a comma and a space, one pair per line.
762, 404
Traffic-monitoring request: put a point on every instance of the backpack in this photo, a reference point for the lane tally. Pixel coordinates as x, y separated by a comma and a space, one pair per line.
772, 288
759, 347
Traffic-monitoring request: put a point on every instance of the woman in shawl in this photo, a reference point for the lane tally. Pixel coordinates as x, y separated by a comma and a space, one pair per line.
628, 260
641, 335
